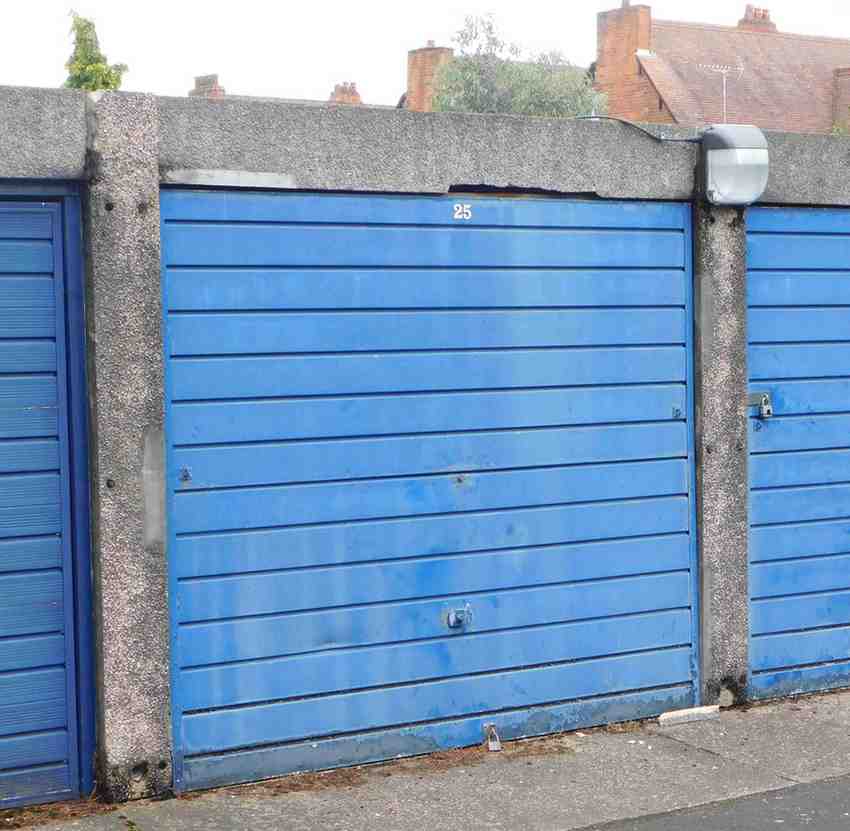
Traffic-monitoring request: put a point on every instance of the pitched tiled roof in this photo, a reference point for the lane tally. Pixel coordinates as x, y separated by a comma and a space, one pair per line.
684, 107
778, 81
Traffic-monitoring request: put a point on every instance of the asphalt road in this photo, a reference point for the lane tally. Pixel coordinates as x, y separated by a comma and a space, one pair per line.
824, 806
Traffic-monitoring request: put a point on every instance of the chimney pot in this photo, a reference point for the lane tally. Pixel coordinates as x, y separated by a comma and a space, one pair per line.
756, 19
207, 86
345, 93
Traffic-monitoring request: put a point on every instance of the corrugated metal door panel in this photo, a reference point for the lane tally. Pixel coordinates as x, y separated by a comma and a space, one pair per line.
799, 334
377, 414
38, 734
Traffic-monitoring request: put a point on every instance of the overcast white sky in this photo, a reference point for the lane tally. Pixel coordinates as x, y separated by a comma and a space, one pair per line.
300, 48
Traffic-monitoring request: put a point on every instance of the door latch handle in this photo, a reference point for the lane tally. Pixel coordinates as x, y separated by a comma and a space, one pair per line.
458, 618
763, 402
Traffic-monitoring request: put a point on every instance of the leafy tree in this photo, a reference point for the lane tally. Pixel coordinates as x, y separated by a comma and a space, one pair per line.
489, 75
87, 67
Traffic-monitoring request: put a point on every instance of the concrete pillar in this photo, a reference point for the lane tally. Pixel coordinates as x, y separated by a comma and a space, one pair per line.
721, 449
126, 411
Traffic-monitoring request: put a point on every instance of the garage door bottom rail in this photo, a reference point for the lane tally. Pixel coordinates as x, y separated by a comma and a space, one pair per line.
343, 751
799, 680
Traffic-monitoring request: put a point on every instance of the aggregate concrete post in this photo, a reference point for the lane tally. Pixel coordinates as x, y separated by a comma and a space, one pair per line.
126, 414
720, 266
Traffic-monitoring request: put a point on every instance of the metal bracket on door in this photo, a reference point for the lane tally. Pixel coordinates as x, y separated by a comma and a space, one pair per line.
459, 618
763, 402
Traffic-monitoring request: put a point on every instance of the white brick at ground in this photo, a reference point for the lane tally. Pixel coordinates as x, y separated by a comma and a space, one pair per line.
672, 717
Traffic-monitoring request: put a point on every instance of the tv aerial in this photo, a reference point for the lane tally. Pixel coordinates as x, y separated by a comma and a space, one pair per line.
726, 71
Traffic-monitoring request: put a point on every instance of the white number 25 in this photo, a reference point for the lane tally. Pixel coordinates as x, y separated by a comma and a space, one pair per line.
462, 211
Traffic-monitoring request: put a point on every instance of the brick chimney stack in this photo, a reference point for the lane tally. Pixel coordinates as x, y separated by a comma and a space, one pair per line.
422, 67
841, 97
756, 20
620, 35
345, 93
207, 86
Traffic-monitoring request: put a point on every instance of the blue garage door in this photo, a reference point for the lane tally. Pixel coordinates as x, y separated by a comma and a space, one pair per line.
428, 470
799, 332
38, 721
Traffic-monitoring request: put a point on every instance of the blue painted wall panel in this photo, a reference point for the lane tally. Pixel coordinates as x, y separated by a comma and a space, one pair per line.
799, 616
27, 356
299, 546
364, 246
241, 597
320, 502
38, 729
194, 379
352, 669
790, 288
799, 362
284, 463
352, 712
799, 334
194, 423
270, 289
377, 414
26, 256
249, 637
247, 334
787, 541
224, 206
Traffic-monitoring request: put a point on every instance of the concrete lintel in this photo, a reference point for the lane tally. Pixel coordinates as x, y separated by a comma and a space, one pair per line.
395, 151
317, 147
808, 170
126, 414
42, 133
720, 357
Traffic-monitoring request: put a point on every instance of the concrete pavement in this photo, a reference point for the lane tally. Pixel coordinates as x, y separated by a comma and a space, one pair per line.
563, 782
824, 806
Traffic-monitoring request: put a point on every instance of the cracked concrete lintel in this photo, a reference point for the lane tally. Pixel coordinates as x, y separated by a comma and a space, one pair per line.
387, 150
395, 151
367, 148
